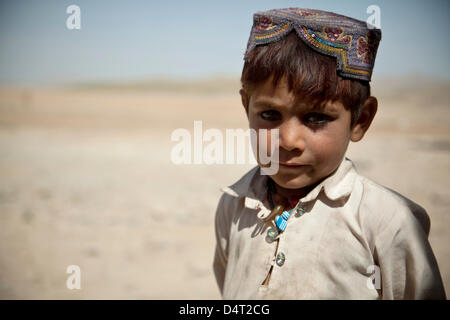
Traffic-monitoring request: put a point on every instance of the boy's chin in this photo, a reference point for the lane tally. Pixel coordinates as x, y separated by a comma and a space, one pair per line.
289, 182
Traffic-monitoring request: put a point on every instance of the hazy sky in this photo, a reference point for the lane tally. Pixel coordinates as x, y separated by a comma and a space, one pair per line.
138, 39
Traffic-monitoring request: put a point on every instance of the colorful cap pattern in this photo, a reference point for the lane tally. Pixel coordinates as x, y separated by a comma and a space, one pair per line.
352, 42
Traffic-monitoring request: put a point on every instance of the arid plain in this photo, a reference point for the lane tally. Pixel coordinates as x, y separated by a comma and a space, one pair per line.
86, 179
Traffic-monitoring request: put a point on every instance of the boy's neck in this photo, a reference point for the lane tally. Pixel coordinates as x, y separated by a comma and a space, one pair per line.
293, 193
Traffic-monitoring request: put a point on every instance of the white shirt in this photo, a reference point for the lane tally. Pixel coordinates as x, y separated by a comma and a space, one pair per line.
354, 236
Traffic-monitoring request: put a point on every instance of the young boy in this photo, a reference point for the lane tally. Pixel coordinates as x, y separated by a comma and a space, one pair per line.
316, 229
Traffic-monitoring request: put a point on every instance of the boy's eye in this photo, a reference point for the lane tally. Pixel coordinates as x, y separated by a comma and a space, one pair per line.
316, 118
270, 115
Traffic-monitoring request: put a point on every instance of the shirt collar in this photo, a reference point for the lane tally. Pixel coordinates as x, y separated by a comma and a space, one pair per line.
253, 186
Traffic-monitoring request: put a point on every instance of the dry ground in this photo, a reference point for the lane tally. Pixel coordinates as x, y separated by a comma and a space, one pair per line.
86, 179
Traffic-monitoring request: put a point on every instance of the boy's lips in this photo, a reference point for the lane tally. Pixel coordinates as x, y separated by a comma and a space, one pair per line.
290, 164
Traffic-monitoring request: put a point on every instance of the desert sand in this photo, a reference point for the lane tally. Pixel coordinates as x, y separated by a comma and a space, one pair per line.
86, 179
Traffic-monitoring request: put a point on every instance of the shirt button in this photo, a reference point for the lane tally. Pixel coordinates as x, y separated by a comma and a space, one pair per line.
272, 234
300, 211
280, 259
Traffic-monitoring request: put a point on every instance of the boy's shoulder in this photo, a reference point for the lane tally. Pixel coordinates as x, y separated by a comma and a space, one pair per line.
386, 207
242, 193
246, 184
246, 192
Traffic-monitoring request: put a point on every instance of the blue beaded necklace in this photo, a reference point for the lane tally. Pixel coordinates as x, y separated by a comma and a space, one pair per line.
281, 215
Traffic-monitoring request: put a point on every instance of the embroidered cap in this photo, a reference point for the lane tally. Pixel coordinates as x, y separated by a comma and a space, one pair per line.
352, 42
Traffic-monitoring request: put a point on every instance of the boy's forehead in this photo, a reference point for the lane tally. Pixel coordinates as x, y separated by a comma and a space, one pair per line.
269, 95
285, 99
278, 95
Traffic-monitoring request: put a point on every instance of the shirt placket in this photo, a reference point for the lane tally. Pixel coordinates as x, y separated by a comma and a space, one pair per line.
262, 214
280, 254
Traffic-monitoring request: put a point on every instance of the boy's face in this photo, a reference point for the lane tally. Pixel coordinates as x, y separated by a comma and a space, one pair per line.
312, 140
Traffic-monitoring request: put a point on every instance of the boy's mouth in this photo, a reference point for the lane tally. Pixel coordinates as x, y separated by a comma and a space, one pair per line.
290, 165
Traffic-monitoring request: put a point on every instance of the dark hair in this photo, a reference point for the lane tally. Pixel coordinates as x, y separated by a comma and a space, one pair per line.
308, 73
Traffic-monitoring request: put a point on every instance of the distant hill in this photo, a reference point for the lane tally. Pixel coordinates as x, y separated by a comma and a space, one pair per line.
200, 85
413, 87
420, 88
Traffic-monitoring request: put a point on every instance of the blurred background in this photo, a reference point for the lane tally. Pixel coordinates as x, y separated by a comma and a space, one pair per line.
86, 118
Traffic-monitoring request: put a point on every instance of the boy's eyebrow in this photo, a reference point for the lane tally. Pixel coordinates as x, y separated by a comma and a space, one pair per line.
310, 107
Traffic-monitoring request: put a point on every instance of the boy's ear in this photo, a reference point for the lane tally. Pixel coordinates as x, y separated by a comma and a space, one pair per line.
245, 100
366, 116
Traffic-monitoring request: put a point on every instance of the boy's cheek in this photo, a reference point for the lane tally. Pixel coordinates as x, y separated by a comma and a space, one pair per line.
256, 123
328, 152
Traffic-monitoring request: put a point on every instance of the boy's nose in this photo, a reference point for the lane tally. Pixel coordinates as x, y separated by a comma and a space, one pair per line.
291, 135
